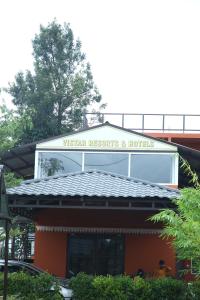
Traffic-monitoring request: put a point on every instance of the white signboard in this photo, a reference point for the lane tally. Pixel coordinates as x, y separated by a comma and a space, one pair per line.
106, 137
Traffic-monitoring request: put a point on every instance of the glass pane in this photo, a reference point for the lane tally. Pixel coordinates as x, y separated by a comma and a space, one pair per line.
110, 162
109, 255
96, 254
156, 168
52, 163
81, 255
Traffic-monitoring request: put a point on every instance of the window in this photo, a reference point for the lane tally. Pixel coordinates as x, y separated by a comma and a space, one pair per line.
52, 163
152, 167
110, 162
96, 254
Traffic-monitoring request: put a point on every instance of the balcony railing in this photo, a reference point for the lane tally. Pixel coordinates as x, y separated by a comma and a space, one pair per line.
147, 122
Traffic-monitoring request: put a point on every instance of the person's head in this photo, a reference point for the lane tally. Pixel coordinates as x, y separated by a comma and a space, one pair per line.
140, 272
161, 263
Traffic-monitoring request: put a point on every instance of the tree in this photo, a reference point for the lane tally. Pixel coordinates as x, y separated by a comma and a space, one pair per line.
54, 98
10, 128
182, 224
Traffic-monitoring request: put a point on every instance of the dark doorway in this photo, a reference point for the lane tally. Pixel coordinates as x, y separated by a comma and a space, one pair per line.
99, 254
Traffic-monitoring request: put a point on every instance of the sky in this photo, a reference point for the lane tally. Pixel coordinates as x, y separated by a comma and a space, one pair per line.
144, 54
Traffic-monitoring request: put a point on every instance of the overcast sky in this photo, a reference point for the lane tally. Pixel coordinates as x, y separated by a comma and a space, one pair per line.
145, 54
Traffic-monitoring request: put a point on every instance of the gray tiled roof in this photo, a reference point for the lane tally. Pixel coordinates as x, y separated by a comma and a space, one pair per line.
92, 183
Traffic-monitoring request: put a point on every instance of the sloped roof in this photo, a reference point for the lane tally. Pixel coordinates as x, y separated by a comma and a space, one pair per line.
92, 183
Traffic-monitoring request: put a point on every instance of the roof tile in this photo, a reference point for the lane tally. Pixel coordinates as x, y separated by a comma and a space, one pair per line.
93, 183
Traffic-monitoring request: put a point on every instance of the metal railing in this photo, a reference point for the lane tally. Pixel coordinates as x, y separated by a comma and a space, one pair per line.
181, 123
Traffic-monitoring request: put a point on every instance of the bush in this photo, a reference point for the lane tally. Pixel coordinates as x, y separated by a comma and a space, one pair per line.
82, 287
108, 288
125, 284
194, 290
26, 287
168, 289
141, 289
87, 287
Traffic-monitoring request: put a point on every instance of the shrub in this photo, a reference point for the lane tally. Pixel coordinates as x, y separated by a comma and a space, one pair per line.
108, 288
125, 284
141, 289
20, 284
86, 287
194, 290
82, 287
26, 287
168, 289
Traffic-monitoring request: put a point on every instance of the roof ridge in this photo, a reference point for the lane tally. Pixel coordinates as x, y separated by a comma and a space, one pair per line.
116, 175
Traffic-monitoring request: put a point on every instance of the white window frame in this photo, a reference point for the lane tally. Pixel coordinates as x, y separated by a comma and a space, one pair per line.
175, 161
175, 165
36, 171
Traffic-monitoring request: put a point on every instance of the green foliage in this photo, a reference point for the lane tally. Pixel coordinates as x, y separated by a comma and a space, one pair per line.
168, 289
8, 128
82, 287
14, 232
11, 180
27, 287
194, 290
12, 125
125, 288
183, 224
107, 287
141, 289
53, 99
125, 283
193, 177
9, 134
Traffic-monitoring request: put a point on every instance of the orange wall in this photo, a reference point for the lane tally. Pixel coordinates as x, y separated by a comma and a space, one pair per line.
51, 251
141, 251
145, 251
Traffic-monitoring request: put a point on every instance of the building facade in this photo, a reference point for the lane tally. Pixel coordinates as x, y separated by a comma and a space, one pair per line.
91, 198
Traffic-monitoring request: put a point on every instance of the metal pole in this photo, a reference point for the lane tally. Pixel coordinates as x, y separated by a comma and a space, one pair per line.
5, 288
142, 122
122, 120
183, 123
163, 123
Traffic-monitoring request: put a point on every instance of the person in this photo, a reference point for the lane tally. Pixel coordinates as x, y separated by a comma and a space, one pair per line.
163, 270
140, 273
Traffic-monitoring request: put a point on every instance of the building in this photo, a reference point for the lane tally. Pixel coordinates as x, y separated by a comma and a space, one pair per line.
92, 195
